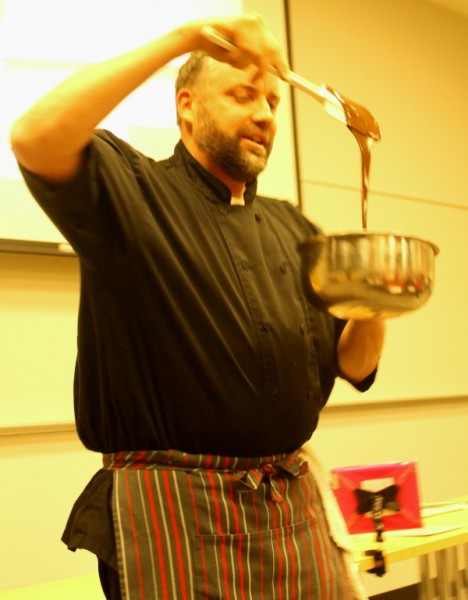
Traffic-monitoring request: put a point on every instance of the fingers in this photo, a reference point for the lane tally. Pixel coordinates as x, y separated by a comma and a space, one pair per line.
249, 41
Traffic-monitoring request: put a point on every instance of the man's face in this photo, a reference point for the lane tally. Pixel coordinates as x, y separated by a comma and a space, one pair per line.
234, 119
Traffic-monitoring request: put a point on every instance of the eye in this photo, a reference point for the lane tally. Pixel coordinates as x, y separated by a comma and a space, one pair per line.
243, 97
242, 94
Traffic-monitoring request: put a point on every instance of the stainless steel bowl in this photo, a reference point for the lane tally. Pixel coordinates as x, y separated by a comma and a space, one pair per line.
367, 275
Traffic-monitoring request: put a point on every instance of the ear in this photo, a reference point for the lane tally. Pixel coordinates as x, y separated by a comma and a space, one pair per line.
184, 101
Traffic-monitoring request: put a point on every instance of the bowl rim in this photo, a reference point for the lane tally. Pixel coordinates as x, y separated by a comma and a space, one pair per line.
321, 237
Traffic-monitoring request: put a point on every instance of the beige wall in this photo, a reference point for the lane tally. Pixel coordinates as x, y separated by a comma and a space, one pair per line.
42, 473
406, 62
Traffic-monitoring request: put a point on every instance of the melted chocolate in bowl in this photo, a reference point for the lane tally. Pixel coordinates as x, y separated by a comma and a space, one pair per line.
366, 130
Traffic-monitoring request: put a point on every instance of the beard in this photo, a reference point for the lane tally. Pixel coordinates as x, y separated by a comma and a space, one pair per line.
227, 152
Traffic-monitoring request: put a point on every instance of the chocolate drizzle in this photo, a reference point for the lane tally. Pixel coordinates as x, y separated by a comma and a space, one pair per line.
366, 130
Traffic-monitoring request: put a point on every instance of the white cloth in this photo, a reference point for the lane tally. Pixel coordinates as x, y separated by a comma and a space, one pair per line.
336, 522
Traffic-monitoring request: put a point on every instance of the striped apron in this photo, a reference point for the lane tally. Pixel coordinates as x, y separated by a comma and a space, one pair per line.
192, 527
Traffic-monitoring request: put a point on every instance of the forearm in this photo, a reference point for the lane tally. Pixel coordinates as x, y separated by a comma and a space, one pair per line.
359, 348
50, 138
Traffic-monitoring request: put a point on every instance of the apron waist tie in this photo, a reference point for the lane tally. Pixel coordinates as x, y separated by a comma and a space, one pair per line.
248, 472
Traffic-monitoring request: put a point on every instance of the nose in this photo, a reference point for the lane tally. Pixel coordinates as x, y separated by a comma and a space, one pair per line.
263, 112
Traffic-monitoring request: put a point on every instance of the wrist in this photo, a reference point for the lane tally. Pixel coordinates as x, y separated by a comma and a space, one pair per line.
184, 39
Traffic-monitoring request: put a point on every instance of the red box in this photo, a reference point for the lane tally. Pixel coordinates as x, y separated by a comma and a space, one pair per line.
395, 482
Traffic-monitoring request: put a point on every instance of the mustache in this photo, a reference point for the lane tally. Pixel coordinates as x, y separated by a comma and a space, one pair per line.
263, 137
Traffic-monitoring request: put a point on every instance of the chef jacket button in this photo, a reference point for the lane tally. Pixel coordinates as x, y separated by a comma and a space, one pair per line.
284, 267
258, 216
264, 326
223, 210
303, 328
245, 265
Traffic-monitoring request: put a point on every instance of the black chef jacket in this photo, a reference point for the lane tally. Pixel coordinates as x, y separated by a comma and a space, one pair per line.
193, 330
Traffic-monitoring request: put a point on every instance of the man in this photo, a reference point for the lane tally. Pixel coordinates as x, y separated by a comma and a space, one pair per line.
201, 367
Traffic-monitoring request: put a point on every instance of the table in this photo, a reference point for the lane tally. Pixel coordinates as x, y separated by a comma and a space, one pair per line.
440, 554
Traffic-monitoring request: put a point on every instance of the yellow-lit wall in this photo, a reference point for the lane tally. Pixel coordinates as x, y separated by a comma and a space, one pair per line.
407, 63
42, 473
